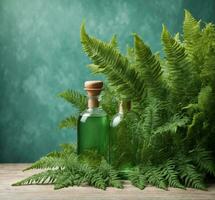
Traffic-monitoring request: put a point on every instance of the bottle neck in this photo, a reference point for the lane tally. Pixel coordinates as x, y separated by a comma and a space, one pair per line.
124, 107
93, 102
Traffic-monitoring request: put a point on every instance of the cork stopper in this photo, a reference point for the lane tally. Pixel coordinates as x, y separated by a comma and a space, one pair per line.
93, 88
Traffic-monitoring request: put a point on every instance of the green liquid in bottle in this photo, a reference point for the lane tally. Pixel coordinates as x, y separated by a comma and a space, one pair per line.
121, 153
93, 132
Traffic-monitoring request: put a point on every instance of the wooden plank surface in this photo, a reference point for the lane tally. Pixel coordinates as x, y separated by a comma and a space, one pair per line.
10, 173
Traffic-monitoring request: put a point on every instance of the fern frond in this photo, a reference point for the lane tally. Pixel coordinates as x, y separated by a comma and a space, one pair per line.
208, 55
68, 150
113, 42
146, 126
74, 173
75, 98
173, 125
203, 159
54, 154
105, 176
69, 122
55, 159
151, 117
148, 66
68, 178
94, 68
155, 177
137, 178
47, 163
205, 99
193, 43
177, 38
188, 173
107, 170
196, 125
114, 181
191, 30
178, 68
191, 108
114, 66
47, 177
98, 181
170, 174
130, 54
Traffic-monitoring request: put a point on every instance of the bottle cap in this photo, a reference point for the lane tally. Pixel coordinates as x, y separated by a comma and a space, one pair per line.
93, 88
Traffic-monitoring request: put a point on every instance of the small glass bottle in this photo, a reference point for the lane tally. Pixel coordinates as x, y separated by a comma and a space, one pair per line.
121, 148
93, 123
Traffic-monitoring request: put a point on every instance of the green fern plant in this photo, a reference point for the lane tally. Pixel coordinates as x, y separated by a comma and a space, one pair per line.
171, 129
65, 168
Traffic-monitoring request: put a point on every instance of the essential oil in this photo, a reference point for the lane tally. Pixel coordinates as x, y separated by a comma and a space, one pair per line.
93, 124
121, 148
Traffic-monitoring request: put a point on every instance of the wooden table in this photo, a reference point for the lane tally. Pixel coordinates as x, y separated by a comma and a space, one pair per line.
10, 173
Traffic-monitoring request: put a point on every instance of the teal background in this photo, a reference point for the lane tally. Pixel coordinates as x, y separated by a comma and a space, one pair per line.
40, 56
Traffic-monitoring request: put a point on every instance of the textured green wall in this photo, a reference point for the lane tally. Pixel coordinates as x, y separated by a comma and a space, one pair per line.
40, 56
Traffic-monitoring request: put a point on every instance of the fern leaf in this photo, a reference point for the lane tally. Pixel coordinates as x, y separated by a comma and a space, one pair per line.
177, 38
204, 160
170, 173
148, 66
178, 68
98, 181
114, 66
193, 43
205, 99
68, 178
196, 125
207, 54
173, 125
191, 30
189, 175
116, 183
75, 98
146, 126
105, 176
47, 177
113, 42
155, 177
114, 179
151, 117
56, 159
68, 149
47, 163
69, 122
137, 178
94, 68
130, 54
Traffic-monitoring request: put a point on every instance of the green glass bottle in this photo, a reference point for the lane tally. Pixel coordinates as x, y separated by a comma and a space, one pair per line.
121, 147
93, 123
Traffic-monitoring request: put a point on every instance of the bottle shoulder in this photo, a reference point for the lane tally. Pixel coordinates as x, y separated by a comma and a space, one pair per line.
120, 116
117, 118
94, 112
